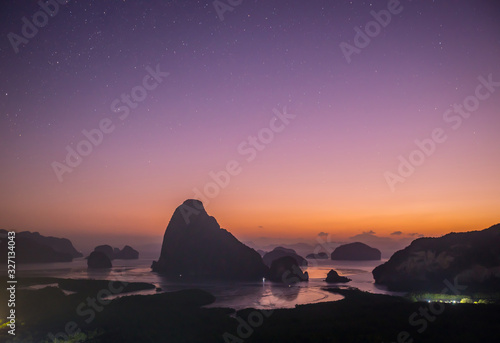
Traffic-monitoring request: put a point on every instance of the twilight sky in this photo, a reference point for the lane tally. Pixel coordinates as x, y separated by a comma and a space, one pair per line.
316, 122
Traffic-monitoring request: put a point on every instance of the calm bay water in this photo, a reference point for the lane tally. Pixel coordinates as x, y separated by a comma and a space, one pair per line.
237, 295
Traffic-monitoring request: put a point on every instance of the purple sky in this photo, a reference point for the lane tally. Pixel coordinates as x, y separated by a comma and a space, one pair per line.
325, 171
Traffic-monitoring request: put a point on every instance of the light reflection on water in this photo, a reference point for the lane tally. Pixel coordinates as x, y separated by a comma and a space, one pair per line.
261, 295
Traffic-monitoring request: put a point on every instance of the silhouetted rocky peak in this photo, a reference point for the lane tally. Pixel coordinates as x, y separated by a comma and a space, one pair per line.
191, 216
62, 245
106, 249
285, 269
98, 260
279, 252
127, 253
334, 277
195, 246
471, 258
34, 249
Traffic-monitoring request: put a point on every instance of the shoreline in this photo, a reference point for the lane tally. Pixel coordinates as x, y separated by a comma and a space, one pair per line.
142, 318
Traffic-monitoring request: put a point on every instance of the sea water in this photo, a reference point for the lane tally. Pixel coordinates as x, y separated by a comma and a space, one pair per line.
238, 295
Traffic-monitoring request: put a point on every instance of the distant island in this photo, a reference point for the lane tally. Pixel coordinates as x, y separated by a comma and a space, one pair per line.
127, 253
31, 247
102, 256
318, 256
356, 252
